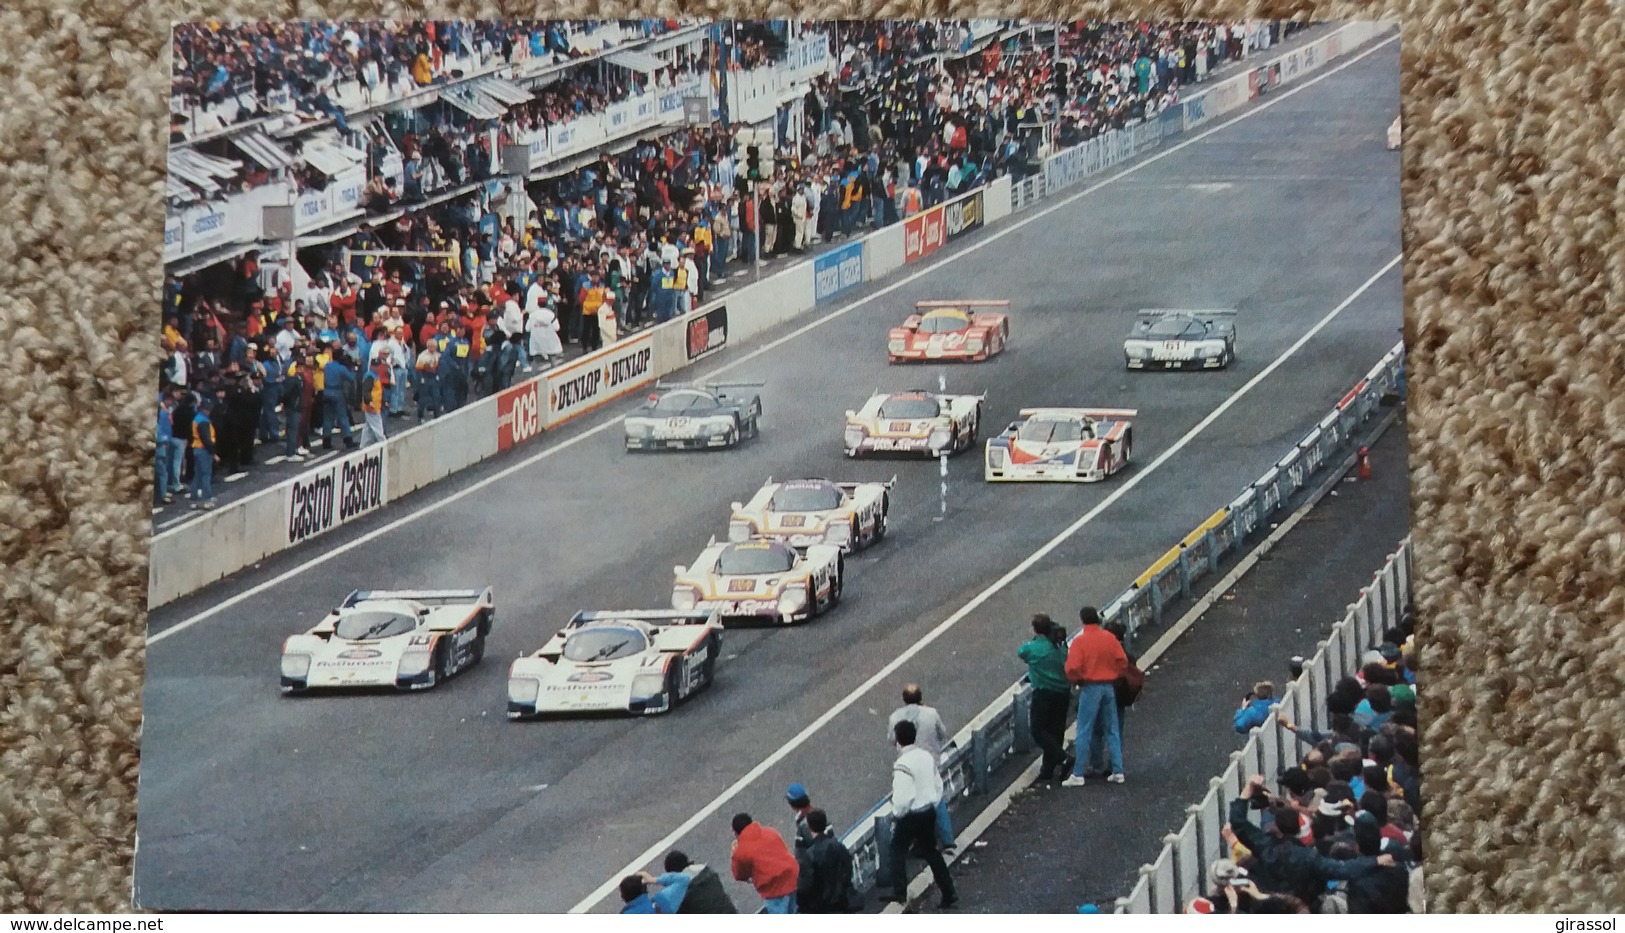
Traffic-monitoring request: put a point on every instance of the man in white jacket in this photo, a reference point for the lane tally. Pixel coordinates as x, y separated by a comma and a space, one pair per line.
916, 789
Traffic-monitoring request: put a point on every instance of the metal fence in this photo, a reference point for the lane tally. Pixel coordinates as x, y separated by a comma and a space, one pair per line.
999, 732
1178, 872
1070, 166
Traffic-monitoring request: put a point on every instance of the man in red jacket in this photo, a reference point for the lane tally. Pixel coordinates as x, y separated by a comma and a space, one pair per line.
761, 858
1094, 660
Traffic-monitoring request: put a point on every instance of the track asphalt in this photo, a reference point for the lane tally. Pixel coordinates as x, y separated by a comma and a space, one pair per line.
434, 802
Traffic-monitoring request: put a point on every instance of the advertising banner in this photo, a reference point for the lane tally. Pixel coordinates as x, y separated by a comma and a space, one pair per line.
174, 237
922, 235
328, 497
837, 270
589, 382
708, 333
519, 414
963, 215
205, 227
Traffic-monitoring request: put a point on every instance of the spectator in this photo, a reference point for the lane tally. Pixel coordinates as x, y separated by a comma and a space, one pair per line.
916, 791
931, 735
1125, 691
1283, 865
1045, 657
705, 894
166, 471
635, 893
1255, 707
337, 382
1095, 659
800, 804
761, 858
373, 386
205, 454
825, 882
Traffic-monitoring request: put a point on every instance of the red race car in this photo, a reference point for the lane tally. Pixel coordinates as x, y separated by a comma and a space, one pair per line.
950, 330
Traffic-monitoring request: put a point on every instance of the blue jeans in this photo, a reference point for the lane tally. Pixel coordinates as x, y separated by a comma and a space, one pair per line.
945, 825
781, 905
1098, 700
1097, 745
338, 416
177, 459
202, 474
719, 261
162, 468
268, 421
291, 415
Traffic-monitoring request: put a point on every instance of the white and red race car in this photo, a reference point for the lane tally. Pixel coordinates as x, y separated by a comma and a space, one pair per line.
950, 330
914, 422
1064, 445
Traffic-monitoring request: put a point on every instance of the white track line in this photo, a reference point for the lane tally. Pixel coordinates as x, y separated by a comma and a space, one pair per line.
1134, 479
438, 504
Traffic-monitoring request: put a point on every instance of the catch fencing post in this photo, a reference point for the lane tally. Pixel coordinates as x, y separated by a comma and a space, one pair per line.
1021, 706
978, 761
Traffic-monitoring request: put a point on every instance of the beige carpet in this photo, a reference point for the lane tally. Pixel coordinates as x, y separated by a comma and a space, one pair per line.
1515, 284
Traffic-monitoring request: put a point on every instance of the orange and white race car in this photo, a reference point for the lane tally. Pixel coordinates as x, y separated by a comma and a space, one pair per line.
950, 330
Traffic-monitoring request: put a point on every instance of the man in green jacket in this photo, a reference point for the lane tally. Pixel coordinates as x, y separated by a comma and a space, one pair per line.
1045, 656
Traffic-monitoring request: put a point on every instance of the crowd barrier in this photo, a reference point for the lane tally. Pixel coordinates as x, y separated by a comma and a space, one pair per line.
1000, 731
1179, 871
199, 552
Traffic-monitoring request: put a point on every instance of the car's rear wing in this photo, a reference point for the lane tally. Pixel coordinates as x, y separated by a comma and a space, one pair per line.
1097, 414
433, 597
1201, 314
708, 385
966, 303
666, 616
850, 488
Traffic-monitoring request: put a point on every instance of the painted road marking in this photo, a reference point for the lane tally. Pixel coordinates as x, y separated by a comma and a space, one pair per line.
435, 506
943, 627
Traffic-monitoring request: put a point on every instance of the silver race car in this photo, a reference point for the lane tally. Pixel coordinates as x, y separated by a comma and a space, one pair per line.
679, 416
1164, 339
914, 422
622, 661
406, 639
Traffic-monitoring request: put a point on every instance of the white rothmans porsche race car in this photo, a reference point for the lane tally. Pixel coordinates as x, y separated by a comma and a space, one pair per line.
914, 422
807, 512
622, 661
760, 580
406, 639
1065, 445
1164, 339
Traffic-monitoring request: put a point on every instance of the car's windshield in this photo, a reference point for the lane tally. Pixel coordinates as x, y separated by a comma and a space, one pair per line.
910, 407
1176, 328
610, 643
1050, 431
685, 403
944, 323
806, 497
367, 625
749, 559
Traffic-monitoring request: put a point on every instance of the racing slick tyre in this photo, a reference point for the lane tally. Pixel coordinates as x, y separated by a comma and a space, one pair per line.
882, 521
443, 664
858, 542
731, 439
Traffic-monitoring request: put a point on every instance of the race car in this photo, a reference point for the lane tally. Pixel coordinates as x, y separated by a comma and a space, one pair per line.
406, 639
1181, 340
1067, 445
950, 330
765, 580
697, 417
622, 661
807, 512
915, 422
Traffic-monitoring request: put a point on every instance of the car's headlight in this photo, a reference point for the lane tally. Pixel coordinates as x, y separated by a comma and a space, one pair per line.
740, 532
645, 686
639, 428
523, 689
1212, 351
1140, 353
838, 533
791, 601
939, 438
414, 662
995, 457
684, 598
897, 345
973, 344
854, 435
295, 665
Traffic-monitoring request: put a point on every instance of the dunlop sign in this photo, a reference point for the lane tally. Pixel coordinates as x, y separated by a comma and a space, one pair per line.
328, 497
590, 382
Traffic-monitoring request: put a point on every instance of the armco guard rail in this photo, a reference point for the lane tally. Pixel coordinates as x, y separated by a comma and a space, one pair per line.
1000, 730
193, 555
1180, 868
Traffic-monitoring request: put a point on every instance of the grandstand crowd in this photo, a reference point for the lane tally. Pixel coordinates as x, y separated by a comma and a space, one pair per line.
577, 260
